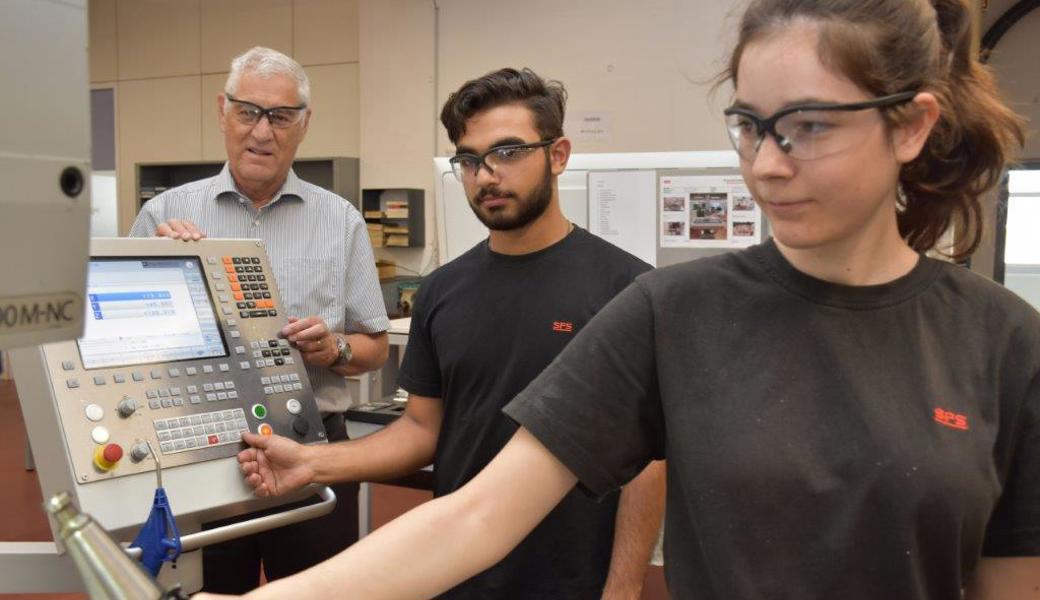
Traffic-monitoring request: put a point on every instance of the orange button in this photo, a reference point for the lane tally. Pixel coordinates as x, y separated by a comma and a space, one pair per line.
232, 277
239, 296
229, 268
264, 429
264, 304
236, 287
227, 260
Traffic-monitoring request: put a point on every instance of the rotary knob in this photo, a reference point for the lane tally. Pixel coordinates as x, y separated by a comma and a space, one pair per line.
139, 452
126, 407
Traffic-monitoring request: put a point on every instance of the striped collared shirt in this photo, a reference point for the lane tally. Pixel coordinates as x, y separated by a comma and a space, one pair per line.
318, 246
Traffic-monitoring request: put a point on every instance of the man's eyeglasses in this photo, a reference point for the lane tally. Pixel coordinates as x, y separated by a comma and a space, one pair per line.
804, 131
280, 117
465, 166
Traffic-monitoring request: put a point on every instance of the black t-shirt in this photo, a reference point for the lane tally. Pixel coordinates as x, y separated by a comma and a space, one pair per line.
484, 326
823, 441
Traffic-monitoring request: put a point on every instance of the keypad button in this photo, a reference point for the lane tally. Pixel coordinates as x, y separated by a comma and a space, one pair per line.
211, 397
233, 395
175, 372
137, 376
156, 374
167, 403
244, 365
178, 401
153, 404
67, 365
207, 368
119, 378
224, 368
72, 383
195, 399
164, 393
279, 361
99, 380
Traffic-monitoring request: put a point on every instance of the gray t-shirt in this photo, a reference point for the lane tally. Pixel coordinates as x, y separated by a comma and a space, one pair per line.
823, 441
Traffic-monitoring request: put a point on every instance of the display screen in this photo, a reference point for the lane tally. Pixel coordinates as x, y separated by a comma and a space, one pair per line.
148, 310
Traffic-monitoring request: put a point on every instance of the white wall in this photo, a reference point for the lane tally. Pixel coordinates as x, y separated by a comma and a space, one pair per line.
644, 65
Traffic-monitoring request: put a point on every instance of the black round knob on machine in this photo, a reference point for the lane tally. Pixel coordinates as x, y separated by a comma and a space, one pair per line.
301, 426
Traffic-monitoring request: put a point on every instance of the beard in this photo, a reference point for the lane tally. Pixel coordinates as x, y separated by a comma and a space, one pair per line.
528, 208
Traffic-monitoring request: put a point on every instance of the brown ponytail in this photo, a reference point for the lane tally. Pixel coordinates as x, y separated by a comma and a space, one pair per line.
891, 46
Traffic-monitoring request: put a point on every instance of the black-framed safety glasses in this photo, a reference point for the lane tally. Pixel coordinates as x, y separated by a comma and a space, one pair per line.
465, 166
280, 117
804, 131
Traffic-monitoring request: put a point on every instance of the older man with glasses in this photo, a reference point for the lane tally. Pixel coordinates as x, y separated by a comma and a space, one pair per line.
325, 270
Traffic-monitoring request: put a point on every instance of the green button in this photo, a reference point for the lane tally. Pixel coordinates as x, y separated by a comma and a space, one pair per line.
259, 411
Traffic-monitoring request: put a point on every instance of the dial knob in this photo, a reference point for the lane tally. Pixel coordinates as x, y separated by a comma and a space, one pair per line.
301, 426
126, 407
139, 452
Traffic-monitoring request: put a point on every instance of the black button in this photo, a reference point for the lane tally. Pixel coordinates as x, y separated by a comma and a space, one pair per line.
279, 361
236, 260
272, 343
256, 260
263, 286
250, 304
244, 314
301, 426
250, 277
266, 353
247, 295
285, 352
241, 305
254, 286
267, 294
238, 269
261, 278
258, 313
272, 313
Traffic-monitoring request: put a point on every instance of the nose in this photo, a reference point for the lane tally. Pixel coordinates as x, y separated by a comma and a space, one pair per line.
262, 130
484, 175
771, 161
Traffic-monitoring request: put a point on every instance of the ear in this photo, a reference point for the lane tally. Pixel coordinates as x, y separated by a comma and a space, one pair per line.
307, 120
909, 137
559, 154
220, 112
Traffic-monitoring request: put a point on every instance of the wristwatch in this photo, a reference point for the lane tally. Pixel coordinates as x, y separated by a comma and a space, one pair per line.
345, 352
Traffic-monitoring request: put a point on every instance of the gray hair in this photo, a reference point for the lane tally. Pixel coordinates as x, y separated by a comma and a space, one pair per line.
267, 63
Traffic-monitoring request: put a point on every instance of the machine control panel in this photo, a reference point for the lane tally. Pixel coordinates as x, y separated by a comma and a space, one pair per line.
181, 350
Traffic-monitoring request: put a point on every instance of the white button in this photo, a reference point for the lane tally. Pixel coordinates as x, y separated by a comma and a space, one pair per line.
94, 413
99, 434
293, 406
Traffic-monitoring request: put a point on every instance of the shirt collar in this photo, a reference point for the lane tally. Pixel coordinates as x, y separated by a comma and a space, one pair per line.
224, 186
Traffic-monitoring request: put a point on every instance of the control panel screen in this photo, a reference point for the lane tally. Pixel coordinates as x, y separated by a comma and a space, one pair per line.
144, 310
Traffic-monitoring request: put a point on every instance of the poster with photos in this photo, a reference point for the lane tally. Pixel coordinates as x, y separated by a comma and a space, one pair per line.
708, 211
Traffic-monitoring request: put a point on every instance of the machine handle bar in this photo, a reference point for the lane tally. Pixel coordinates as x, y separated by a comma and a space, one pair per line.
194, 541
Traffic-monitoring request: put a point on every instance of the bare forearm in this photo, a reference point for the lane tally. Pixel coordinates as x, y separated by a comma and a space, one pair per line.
369, 352
401, 448
444, 541
1002, 578
638, 524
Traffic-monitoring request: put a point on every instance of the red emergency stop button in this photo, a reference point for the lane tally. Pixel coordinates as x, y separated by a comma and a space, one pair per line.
265, 429
108, 456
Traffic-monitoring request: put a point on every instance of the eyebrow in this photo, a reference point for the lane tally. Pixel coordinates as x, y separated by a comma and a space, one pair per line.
796, 102
506, 141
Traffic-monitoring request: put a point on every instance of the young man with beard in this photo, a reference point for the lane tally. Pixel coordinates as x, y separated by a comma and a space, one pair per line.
484, 326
